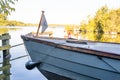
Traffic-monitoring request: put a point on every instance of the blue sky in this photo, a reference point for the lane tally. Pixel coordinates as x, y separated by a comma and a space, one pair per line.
59, 11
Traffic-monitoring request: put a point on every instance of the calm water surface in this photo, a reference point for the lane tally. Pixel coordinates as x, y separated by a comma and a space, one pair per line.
18, 70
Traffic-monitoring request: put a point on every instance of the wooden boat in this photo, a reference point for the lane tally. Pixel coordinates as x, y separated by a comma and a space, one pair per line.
70, 59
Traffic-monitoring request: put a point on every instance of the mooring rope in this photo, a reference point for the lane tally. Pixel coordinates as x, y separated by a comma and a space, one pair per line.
17, 45
16, 58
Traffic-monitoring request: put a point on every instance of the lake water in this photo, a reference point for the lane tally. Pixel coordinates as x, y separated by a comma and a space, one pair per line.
18, 70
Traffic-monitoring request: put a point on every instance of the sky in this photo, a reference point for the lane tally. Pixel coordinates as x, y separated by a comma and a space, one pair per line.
59, 11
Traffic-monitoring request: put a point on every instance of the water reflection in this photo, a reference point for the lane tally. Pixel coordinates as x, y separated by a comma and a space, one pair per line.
3, 30
98, 36
6, 29
61, 32
18, 69
115, 38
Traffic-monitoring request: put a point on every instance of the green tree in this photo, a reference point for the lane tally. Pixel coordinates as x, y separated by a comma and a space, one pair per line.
2, 17
6, 6
100, 19
105, 20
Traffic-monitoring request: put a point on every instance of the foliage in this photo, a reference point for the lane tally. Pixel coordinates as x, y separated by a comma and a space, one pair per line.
105, 20
5, 22
5, 6
2, 17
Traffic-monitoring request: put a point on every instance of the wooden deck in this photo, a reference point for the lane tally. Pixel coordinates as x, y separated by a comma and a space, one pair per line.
78, 46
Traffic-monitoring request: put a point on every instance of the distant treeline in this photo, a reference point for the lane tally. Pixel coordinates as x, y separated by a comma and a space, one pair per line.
105, 21
5, 22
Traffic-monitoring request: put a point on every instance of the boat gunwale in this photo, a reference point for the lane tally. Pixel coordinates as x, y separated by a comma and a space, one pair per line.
98, 53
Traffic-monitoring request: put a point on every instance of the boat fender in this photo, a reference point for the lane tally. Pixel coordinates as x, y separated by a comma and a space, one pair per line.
31, 65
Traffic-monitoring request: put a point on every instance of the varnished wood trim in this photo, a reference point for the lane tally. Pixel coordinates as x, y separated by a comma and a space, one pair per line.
76, 49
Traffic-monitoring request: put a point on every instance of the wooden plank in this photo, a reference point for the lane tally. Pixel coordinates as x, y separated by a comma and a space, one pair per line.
5, 47
2, 76
90, 51
4, 37
6, 61
5, 67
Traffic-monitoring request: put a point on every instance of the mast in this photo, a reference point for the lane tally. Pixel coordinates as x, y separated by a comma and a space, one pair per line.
39, 24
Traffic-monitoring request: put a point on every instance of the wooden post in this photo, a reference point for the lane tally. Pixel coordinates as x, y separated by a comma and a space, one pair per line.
6, 58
